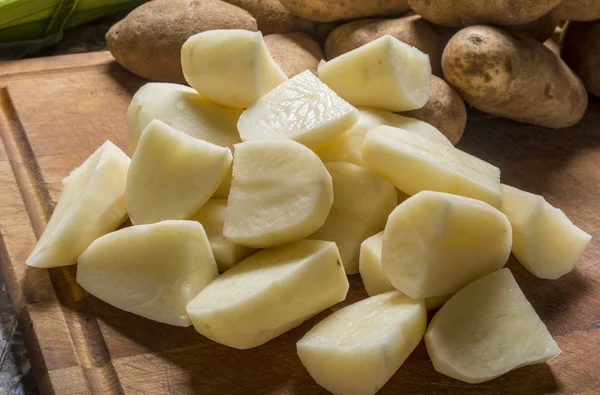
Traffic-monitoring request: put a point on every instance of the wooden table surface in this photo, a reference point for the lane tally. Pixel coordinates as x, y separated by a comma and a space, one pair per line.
54, 112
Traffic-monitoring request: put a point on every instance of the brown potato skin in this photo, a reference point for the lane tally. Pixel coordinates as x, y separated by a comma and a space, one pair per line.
459, 13
540, 29
412, 29
294, 52
445, 110
577, 10
272, 17
513, 76
580, 49
335, 10
148, 41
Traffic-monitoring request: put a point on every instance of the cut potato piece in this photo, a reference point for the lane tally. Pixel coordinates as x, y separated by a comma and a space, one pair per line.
487, 329
357, 349
373, 276
172, 174
212, 218
281, 192
92, 203
270, 293
149, 270
373, 117
385, 73
545, 241
302, 109
414, 163
184, 109
230, 67
347, 147
436, 243
362, 203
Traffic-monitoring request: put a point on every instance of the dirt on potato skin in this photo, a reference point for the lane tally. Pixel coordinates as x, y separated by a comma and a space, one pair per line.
148, 41
513, 76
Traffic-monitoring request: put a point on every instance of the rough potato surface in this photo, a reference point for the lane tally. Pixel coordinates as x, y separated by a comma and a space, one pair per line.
294, 52
513, 76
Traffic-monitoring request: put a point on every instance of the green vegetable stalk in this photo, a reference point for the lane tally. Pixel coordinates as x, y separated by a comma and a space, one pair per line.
27, 26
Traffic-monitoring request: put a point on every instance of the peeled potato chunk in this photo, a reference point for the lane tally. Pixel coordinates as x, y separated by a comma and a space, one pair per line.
230, 67
435, 243
414, 163
184, 109
373, 276
92, 203
362, 203
487, 329
357, 349
281, 192
172, 174
302, 109
270, 293
385, 73
347, 147
150, 270
212, 218
545, 241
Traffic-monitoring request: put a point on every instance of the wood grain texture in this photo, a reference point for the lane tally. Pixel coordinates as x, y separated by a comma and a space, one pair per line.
54, 112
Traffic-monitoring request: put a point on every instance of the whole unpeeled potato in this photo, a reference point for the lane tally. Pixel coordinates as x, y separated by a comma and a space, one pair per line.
445, 110
294, 52
272, 17
460, 13
513, 76
577, 10
333, 10
580, 48
148, 41
412, 29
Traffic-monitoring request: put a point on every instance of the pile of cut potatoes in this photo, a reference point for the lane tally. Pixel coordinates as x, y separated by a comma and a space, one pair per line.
285, 187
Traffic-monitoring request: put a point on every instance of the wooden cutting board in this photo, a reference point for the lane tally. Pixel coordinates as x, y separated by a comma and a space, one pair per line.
54, 112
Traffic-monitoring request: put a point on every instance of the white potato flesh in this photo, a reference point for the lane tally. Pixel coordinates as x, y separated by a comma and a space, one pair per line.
302, 109
184, 109
545, 240
172, 174
385, 73
373, 276
414, 163
486, 330
281, 192
212, 218
150, 270
435, 243
270, 293
92, 203
347, 147
361, 205
373, 117
230, 67
357, 349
